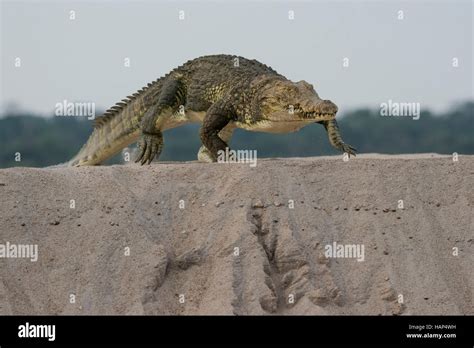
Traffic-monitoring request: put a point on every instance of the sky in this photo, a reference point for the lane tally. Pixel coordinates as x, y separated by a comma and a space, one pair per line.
81, 56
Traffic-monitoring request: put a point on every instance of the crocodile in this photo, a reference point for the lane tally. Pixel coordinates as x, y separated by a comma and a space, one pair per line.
222, 92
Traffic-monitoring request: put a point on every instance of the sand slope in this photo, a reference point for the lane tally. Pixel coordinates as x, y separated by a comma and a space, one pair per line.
189, 255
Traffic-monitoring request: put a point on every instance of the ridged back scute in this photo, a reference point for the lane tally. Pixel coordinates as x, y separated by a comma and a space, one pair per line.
118, 107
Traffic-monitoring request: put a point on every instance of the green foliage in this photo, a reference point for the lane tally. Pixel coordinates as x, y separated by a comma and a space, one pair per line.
40, 141
47, 141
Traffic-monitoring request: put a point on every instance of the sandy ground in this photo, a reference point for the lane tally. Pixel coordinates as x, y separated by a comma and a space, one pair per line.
244, 240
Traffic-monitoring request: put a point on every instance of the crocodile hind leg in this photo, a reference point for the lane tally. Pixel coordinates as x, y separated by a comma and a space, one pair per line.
335, 137
150, 142
149, 147
204, 155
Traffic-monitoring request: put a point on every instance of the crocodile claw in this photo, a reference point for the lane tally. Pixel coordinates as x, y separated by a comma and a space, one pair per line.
348, 149
150, 146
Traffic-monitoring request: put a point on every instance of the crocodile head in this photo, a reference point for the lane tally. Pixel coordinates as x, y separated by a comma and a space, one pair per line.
283, 100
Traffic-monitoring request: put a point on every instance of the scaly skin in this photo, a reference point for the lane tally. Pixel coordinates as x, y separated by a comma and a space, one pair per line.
222, 92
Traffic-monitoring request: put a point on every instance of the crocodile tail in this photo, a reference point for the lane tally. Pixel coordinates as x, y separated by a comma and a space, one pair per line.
117, 128
107, 140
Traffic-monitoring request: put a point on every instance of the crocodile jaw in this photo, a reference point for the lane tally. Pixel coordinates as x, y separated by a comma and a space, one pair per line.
268, 126
300, 116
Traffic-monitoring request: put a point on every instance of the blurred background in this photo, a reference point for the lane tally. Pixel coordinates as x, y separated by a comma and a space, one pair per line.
359, 54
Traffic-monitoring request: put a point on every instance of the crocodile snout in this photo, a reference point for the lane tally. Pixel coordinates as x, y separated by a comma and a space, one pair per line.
327, 107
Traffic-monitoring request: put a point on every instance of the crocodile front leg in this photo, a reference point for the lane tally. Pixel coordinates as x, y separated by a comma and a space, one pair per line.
215, 120
225, 134
335, 137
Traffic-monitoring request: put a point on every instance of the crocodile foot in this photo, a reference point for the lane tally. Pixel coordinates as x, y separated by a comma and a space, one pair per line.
204, 155
149, 146
348, 149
